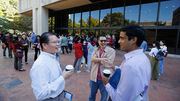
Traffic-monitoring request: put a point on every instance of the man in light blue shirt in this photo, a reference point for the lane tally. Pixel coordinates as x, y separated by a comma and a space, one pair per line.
48, 80
144, 46
135, 69
33, 38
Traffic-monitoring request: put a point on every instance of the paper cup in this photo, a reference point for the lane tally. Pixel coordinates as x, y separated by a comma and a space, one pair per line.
106, 72
69, 67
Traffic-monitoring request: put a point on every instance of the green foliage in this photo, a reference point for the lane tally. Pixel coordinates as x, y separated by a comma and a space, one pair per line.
11, 20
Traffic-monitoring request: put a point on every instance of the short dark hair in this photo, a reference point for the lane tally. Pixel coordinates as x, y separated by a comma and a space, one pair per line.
45, 38
101, 36
134, 31
77, 39
7, 33
163, 41
156, 44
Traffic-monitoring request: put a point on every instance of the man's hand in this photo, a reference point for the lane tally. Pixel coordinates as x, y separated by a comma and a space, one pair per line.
105, 80
67, 74
106, 63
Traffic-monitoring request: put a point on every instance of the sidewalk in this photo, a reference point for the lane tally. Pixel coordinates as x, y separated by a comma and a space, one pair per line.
166, 89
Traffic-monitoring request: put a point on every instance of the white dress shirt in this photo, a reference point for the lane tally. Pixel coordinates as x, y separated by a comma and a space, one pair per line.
153, 52
46, 76
135, 77
164, 49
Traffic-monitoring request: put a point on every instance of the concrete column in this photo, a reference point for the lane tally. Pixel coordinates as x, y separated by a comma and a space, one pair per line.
35, 20
40, 20
43, 20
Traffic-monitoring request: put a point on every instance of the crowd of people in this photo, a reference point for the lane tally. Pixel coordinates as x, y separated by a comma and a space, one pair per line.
95, 53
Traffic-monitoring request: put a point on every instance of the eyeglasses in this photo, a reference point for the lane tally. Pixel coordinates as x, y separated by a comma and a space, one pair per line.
102, 40
57, 42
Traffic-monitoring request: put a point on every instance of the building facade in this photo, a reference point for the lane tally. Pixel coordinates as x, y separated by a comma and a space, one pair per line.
160, 18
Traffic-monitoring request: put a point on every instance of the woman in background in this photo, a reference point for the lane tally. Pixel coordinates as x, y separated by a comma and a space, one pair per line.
91, 47
17, 60
164, 50
24, 41
154, 62
78, 53
37, 50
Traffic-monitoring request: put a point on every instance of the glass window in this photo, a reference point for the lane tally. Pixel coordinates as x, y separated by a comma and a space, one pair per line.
85, 17
84, 32
105, 18
169, 11
150, 37
148, 14
95, 18
178, 49
70, 31
70, 20
77, 19
117, 16
131, 14
170, 36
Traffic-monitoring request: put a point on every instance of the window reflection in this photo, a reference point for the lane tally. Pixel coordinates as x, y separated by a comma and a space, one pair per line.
166, 15
105, 18
117, 16
77, 19
148, 14
170, 36
131, 14
94, 18
150, 36
85, 17
70, 20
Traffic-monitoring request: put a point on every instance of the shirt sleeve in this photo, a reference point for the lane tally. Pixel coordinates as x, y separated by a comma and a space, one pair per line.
129, 87
43, 88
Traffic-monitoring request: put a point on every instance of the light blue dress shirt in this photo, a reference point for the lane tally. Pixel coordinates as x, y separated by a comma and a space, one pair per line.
46, 75
144, 46
135, 77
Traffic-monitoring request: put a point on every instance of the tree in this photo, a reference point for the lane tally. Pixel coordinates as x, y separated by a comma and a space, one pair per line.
10, 19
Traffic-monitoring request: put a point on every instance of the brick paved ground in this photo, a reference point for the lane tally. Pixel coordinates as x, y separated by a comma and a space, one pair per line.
166, 89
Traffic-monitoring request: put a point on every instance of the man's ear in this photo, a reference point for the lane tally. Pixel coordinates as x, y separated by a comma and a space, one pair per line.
44, 46
134, 40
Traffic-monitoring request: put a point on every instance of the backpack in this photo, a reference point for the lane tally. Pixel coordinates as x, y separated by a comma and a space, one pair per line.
159, 55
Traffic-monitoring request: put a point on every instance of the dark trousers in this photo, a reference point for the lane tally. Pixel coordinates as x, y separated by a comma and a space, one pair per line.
4, 51
70, 47
65, 48
37, 50
17, 62
25, 53
10, 52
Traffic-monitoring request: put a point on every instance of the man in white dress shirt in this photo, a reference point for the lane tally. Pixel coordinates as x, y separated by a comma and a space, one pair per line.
135, 69
48, 80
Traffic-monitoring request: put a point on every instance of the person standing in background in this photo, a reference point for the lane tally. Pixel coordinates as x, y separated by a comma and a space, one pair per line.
144, 46
24, 41
100, 53
78, 53
10, 45
5, 44
33, 38
70, 43
37, 49
164, 50
64, 43
91, 46
16, 44
154, 62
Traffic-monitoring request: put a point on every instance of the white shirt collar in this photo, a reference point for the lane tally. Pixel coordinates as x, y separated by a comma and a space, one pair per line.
48, 54
132, 53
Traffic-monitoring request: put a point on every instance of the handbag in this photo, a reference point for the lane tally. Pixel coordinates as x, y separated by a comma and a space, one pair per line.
19, 53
